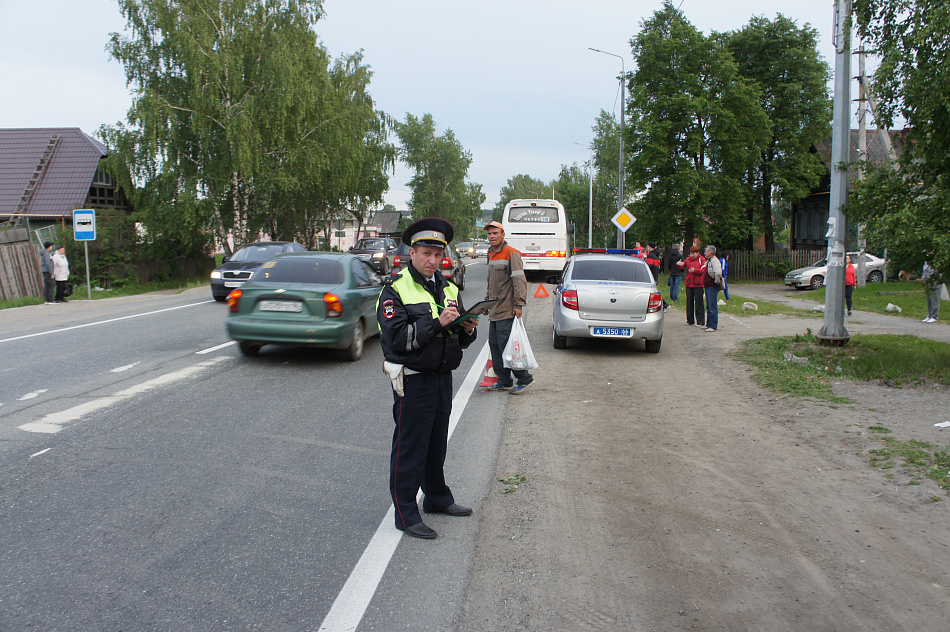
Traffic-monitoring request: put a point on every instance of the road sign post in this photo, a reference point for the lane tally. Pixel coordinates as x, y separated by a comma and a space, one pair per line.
84, 230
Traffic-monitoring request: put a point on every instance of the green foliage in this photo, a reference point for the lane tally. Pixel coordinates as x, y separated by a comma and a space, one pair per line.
240, 126
782, 61
908, 210
696, 127
440, 165
920, 458
874, 297
512, 483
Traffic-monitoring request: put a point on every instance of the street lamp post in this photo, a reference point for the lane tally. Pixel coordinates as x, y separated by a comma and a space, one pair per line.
623, 109
590, 197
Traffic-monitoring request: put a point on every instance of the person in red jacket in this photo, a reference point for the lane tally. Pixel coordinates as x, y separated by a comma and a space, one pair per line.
694, 269
850, 280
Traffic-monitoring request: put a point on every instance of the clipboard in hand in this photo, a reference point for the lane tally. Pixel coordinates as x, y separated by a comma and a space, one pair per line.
473, 312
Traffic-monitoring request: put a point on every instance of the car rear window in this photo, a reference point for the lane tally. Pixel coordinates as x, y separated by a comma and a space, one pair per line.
301, 270
258, 253
618, 269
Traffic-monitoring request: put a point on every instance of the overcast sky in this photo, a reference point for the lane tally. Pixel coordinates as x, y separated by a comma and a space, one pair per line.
514, 79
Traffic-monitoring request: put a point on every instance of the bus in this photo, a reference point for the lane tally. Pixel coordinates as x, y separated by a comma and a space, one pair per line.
539, 230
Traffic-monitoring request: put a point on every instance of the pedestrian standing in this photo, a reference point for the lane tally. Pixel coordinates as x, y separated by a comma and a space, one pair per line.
712, 282
850, 280
46, 269
932, 288
653, 260
694, 267
676, 273
507, 283
724, 261
420, 355
60, 273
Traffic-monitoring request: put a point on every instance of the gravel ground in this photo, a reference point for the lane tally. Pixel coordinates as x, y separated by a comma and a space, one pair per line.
670, 492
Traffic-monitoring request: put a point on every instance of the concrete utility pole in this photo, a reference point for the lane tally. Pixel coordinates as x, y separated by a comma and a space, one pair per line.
833, 332
862, 156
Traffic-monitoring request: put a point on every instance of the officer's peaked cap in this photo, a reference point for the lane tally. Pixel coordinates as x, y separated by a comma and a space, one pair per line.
431, 231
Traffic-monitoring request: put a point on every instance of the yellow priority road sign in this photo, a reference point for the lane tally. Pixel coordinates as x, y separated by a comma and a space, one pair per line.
624, 219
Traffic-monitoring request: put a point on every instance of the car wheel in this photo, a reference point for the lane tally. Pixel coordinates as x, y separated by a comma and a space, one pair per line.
355, 351
653, 346
461, 282
560, 342
817, 281
876, 277
249, 348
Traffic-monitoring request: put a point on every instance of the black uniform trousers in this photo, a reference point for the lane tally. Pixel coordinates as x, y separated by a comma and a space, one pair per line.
419, 445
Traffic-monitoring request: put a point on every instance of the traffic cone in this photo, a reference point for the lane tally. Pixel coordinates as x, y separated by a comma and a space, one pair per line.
488, 378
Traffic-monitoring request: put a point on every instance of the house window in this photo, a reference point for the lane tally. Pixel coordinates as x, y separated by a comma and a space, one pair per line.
101, 177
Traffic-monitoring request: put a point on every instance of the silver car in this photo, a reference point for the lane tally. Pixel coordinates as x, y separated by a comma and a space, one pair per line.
607, 296
813, 276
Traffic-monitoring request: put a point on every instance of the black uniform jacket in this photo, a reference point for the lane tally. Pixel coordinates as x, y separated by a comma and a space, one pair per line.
409, 334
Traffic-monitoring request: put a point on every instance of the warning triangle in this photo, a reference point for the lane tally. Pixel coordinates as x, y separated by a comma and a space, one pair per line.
541, 293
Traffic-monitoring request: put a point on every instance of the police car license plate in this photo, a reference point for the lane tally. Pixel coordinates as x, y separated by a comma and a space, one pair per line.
233, 283
280, 306
620, 332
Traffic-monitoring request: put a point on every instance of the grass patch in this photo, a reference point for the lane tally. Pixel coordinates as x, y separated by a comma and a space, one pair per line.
874, 297
131, 289
921, 459
800, 366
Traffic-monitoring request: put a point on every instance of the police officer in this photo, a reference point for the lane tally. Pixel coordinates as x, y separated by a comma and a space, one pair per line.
419, 356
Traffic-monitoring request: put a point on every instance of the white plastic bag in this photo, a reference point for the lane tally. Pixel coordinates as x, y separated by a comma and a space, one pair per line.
517, 354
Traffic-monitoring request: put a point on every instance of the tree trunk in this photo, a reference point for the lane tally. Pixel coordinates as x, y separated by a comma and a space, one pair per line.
767, 208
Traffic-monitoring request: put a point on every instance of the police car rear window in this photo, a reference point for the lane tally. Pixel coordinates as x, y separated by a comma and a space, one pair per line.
301, 270
619, 269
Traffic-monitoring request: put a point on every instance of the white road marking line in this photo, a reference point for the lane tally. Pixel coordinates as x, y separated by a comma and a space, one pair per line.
103, 322
123, 368
350, 605
54, 422
212, 349
41, 452
33, 394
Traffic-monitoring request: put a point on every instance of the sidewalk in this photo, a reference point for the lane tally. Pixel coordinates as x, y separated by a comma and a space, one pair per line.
888, 323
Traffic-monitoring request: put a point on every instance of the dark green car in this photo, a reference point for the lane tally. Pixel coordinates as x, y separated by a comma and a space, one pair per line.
307, 299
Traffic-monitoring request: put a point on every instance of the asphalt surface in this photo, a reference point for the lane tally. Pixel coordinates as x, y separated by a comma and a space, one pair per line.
151, 477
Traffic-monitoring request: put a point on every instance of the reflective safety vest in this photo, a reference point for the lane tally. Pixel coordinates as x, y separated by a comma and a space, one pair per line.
411, 293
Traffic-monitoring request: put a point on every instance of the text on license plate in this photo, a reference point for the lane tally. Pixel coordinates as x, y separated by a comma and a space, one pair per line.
233, 283
622, 332
280, 306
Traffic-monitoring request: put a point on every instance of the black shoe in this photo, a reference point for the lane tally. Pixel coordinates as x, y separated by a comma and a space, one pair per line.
419, 530
451, 510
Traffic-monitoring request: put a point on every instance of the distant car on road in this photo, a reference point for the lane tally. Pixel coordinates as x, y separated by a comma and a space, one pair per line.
307, 299
379, 251
481, 249
814, 276
465, 248
238, 268
607, 296
452, 265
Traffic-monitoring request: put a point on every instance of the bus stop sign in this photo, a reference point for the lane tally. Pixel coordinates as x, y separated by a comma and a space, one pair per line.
84, 224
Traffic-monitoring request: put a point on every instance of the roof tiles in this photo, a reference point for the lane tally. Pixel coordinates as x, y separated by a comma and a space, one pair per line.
65, 183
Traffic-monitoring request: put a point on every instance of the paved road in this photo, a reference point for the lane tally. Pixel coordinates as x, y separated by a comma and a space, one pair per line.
885, 322
151, 478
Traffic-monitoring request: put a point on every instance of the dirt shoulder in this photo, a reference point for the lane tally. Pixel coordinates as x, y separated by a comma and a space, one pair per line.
670, 492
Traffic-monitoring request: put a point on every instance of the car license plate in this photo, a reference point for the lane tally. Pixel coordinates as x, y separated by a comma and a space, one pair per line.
621, 332
233, 283
280, 306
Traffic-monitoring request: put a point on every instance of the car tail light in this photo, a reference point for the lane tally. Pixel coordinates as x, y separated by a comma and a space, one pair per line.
234, 301
569, 299
334, 305
656, 303
397, 261
446, 263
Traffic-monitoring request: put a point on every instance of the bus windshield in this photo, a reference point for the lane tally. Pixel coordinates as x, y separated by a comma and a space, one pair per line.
533, 215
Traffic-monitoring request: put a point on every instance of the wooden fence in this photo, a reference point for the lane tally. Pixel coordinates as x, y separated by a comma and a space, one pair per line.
758, 265
20, 274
